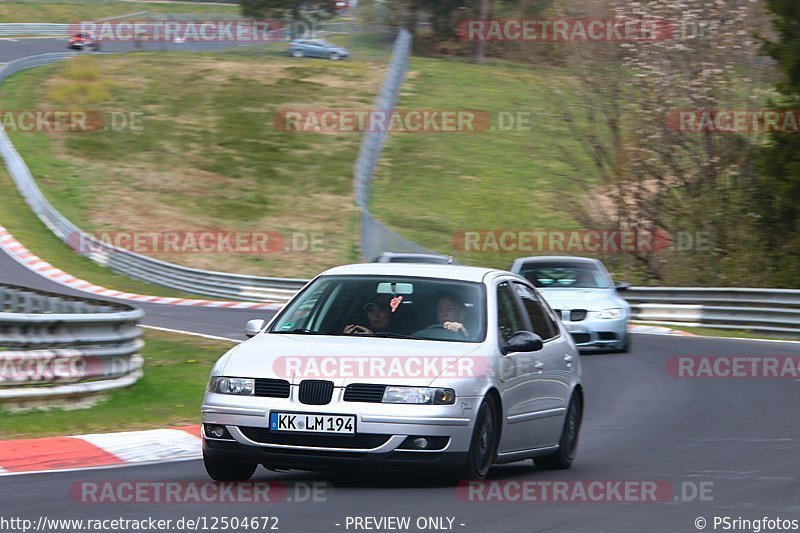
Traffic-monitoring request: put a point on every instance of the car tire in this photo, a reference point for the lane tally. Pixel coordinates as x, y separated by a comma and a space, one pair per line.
227, 469
483, 444
334, 57
298, 53
568, 442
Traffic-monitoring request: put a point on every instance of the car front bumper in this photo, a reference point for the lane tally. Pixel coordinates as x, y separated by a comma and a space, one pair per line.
383, 433
595, 333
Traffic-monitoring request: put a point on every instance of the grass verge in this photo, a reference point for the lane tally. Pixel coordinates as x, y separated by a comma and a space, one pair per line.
26, 227
431, 185
208, 156
169, 394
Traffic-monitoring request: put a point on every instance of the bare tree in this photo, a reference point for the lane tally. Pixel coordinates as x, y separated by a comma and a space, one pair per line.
650, 173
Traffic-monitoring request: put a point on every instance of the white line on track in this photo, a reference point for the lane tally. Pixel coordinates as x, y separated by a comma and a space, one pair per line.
213, 337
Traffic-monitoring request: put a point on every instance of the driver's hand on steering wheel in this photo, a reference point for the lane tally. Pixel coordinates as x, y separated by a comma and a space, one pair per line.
358, 330
455, 327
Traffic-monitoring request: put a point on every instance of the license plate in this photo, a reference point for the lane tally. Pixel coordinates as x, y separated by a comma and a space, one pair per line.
312, 423
572, 328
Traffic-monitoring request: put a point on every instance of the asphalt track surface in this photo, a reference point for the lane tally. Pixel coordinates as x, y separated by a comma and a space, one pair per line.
229, 324
738, 439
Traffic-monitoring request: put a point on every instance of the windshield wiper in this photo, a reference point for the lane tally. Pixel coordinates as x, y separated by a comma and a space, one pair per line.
390, 335
302, 331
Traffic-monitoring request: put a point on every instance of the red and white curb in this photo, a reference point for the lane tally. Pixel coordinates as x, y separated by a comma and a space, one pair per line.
99, 450
657, 330
32, 262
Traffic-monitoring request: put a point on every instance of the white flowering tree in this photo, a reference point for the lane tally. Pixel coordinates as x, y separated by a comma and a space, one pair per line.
642, 115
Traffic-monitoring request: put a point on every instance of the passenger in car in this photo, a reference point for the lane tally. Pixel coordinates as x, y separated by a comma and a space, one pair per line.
450, 310
379, 317
585, 280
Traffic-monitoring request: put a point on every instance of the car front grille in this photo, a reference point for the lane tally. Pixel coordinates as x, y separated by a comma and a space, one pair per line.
272, 388
581, 338
315, 392
576, 315
351, 442
364, 392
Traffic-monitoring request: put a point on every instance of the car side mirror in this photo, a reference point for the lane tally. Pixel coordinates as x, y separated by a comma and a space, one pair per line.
623, 286
523, 341
254, 327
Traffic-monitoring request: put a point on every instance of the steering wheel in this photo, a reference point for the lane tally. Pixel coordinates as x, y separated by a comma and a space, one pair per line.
438, 332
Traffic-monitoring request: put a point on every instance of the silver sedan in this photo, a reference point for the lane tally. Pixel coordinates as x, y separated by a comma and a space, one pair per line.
391, 365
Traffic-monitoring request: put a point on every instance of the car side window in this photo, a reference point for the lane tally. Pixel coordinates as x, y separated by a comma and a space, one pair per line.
509, 319
541, 321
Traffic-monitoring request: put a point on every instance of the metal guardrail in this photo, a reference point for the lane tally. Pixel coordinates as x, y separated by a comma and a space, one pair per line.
375, 236
44, 29
65, 347
33, 28
775, 311
137, 266
53, 29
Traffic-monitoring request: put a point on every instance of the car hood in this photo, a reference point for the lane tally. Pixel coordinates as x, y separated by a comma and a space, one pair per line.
298, 357
589, 299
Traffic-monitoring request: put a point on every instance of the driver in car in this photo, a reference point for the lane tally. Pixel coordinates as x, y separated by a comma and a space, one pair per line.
379, 317
450, 311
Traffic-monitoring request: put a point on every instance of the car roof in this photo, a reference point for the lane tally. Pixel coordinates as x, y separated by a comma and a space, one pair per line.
413, 255
425, 270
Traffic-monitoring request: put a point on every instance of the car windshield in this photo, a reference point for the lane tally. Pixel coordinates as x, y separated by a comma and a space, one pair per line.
565, 275
394, 307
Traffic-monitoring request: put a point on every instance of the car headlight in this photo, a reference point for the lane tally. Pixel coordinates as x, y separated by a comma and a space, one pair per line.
614, 312
419, 395
238, 386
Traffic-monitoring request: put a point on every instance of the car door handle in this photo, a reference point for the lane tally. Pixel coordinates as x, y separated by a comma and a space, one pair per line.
567, 358
538, 365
